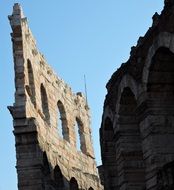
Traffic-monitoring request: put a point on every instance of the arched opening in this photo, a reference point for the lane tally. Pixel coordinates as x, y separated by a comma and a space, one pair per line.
129, 152
109, 155
44, 102
73, 184
58, 178
31, 87
160, 110
80, 136
91, 188
63, 129
160, 84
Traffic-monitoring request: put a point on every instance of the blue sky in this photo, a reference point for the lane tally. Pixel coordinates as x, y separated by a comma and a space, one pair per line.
77, 37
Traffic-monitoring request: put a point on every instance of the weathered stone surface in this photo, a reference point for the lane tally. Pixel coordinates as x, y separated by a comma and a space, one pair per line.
45, 159
137, 130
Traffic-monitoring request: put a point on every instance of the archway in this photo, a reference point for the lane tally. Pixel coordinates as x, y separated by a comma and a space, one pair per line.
159, 121
160, 84
58, 178
44, 103
31, 86
80, 136
62, 121
73, 184
129, 153
109, 155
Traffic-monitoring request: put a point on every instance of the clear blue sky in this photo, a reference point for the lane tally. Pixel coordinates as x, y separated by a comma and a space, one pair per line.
77, 37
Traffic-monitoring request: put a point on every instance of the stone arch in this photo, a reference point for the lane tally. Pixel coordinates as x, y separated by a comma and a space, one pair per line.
58, 178
127, 81
160, 94
129, 154
109, 155
62, 121
44, 103
156, 126
90, 188
73, 184
79, 128
31, 86
161, 74
164, 39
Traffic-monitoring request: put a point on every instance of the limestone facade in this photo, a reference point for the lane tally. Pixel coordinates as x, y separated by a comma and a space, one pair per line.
46, 159
137, 130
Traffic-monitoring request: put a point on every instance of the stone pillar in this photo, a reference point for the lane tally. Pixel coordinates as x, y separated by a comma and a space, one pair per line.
129, 156
157, 122
29, 155
158, 141
109, 155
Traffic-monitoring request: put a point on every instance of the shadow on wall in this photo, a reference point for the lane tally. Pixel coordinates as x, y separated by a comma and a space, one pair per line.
53, 178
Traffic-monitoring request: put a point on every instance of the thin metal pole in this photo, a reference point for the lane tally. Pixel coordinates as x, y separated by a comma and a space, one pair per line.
86, 90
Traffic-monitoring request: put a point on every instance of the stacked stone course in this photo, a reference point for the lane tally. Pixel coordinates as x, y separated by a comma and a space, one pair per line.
137, 130
45, 160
